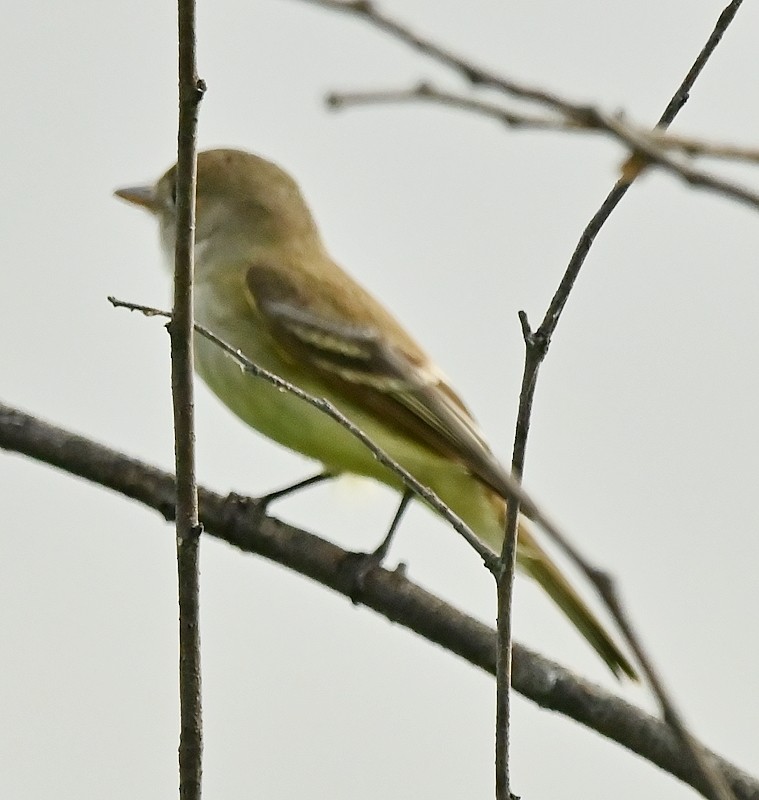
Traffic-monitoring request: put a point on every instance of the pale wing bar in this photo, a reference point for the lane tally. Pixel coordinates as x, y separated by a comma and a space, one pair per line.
386, 381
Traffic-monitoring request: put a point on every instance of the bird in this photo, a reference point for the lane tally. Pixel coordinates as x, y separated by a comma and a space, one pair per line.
265, 283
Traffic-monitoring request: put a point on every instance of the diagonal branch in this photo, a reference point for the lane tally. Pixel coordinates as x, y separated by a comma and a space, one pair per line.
646, 149
511, 118
240, 522
536, 348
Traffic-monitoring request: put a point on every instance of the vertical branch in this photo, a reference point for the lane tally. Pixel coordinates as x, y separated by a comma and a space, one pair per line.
181, 328
507, 566
536, 345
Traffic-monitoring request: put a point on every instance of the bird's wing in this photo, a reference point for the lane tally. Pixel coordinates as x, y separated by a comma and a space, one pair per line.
355, 347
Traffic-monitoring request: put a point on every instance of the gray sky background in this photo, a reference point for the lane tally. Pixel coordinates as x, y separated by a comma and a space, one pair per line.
644, 442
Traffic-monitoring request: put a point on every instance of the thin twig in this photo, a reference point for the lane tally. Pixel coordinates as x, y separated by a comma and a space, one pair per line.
476, 75
585, 115
536, 349
505, 576
332, 411
700, 147
617, 126
427, 92
182, 365
504, 594
240, 523
645, 149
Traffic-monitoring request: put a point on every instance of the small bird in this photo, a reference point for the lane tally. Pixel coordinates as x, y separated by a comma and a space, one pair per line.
266, 285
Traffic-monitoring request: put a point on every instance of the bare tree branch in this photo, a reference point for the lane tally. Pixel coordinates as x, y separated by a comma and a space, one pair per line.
188, 529
536, 348
239, 522
426, 92
657, 138
647, 149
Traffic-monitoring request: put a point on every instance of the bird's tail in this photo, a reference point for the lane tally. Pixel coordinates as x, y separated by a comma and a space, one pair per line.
536, 563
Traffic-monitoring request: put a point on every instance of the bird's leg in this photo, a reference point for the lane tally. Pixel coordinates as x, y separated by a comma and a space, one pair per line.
378, 556
263, 501
362, 563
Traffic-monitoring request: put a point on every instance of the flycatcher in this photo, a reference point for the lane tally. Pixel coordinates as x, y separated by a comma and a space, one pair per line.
266, 285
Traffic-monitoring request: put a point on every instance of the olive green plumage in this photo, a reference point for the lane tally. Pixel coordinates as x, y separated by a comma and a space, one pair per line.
265, 284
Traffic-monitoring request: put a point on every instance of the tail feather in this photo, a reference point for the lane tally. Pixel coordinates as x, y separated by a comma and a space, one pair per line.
536, 563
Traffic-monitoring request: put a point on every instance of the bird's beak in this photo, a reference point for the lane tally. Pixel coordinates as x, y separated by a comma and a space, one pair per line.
140, 196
